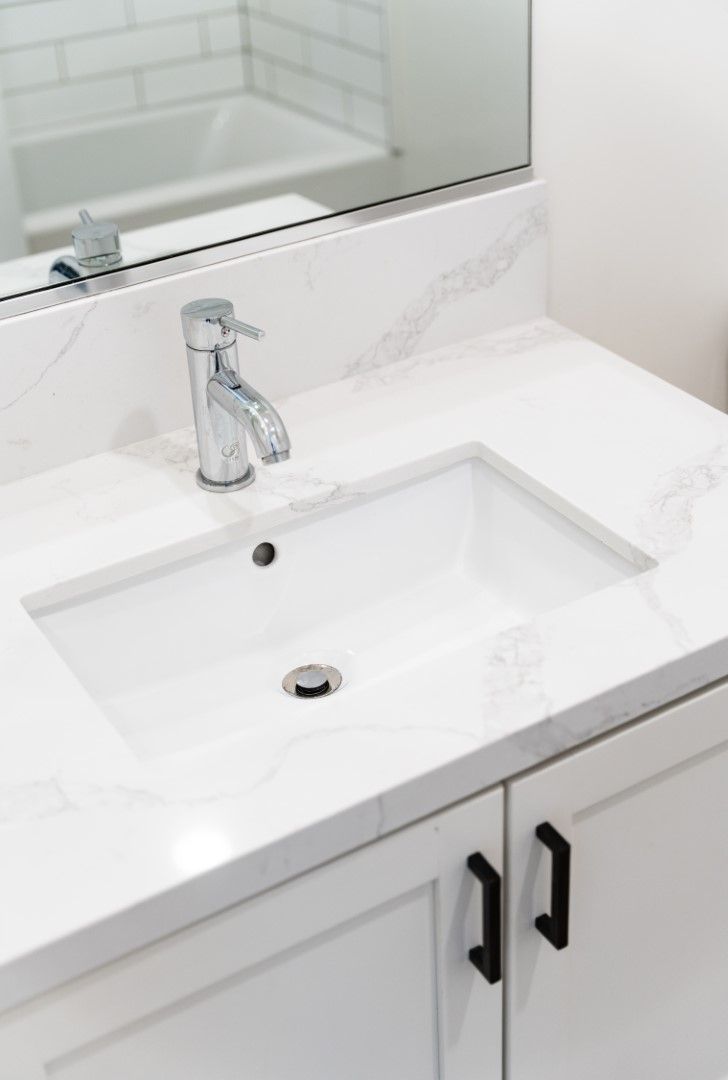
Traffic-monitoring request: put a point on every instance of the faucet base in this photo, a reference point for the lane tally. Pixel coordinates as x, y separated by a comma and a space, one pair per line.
233, 485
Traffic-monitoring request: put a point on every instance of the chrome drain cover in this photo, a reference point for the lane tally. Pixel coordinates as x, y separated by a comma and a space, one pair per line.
312, 680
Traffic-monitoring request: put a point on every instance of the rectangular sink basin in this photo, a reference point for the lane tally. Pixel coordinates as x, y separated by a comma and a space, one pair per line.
192, 652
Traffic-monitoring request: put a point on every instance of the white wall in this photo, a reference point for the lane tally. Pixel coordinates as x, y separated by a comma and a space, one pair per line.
631, 132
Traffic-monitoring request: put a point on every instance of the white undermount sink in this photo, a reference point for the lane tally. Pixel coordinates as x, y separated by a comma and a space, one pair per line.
196, 650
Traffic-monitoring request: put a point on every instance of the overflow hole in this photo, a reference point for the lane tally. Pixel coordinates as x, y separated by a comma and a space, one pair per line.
264, 554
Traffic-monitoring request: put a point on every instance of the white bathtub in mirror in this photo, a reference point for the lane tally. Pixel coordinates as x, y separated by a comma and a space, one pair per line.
164, 164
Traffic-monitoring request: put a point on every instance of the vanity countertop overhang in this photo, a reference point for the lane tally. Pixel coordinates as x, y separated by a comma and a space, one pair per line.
104, 851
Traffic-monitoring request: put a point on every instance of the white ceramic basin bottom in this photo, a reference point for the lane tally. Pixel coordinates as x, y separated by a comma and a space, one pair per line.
195, 651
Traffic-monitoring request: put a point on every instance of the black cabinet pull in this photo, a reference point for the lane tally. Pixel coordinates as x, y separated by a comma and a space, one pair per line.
487, 957
555, 927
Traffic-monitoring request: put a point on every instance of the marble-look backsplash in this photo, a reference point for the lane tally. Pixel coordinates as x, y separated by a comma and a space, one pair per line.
102, 372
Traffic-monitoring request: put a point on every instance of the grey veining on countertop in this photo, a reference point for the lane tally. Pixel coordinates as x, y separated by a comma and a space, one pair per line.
475, 274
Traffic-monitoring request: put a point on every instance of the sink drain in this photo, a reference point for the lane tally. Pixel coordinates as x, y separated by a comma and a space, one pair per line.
312, 680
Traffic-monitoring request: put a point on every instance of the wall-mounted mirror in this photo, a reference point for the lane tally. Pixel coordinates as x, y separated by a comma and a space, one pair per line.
132, 130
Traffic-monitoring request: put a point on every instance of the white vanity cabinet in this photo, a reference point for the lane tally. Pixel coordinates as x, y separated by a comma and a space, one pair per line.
356, 971
640, 991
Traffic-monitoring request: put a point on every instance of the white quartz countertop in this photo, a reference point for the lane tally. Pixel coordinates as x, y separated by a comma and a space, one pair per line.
103, 851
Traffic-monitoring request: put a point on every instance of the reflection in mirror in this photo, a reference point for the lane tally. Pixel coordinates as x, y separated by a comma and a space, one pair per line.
135, 129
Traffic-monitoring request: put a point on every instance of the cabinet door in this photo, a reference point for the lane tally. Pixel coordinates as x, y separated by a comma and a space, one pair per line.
640, 991
356, 971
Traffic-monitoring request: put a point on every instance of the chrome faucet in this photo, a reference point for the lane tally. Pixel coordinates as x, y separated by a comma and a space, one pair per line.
223, 403
97, 247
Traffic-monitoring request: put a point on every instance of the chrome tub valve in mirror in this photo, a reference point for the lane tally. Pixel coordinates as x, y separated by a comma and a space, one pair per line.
97, 246
225, 406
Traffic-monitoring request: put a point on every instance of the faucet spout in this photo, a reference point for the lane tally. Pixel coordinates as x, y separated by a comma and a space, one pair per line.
261, 421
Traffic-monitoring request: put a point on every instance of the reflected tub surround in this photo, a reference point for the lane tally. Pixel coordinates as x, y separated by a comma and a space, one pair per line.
223, 403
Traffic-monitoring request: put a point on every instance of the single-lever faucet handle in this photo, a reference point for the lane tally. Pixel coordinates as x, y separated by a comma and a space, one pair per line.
211, 324
242, 328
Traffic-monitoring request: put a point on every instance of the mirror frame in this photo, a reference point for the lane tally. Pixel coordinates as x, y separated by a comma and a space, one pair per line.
256, 243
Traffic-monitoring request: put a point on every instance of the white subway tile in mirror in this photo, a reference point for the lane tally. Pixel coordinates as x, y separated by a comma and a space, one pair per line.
73, 59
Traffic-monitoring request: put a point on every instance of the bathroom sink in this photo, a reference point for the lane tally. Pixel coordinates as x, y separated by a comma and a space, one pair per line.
194, 651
